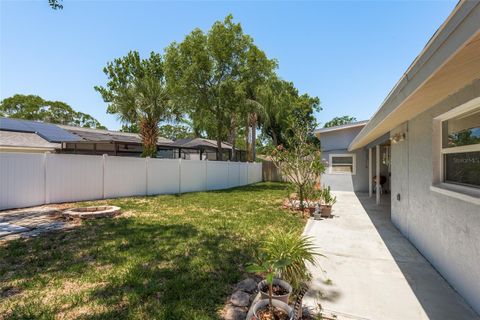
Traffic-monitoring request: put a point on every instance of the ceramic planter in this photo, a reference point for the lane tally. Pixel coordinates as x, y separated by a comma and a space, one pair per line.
262, 304
326, 211
279, 282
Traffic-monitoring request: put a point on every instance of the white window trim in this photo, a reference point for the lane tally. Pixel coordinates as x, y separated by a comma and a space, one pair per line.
344, 155
466, 193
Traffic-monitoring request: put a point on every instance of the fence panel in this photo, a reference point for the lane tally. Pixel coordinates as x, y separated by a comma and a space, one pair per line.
233, 174
163, 176
251, 173
125, 177
243, 173
258, 172
22, 180
73, 177
217, 175
29, 179
193, 175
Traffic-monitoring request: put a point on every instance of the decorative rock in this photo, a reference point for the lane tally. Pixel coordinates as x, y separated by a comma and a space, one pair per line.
240, 299
234, 313
248, 285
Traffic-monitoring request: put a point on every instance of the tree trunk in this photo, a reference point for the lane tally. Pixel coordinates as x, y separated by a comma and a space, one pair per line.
300, 196
254, 137
219, 150
149, 135
232, 139
247, 142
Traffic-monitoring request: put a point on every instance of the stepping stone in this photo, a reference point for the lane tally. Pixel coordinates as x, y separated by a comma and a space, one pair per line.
7, 228
248, 285
240, 299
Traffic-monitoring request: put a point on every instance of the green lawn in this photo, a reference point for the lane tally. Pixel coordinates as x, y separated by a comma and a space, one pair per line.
165, 257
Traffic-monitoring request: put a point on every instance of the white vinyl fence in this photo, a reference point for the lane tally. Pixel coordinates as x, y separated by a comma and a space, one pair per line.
29, 179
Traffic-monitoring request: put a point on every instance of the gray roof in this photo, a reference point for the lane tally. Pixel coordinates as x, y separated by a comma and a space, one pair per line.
199, 143
343, 126
48, 131
107, 136
28, 140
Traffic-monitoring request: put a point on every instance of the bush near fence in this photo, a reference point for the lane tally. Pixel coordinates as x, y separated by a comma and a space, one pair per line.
29, 179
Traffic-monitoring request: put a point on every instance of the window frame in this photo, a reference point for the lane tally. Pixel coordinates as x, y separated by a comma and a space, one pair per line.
342, 155
467, 107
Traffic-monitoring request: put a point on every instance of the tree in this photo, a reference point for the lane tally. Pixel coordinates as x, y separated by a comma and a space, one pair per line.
300, 160
55, 4
282, 101
136, 92
255, 73
338, 121
175, 132
204, 73
32, 107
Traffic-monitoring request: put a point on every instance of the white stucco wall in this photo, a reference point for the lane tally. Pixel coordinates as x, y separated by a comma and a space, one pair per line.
337, 142
446, 230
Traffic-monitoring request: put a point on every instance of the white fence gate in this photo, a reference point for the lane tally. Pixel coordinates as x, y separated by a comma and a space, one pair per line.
29, 179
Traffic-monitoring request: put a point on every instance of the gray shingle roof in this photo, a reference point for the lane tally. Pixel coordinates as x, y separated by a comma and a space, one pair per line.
25, 140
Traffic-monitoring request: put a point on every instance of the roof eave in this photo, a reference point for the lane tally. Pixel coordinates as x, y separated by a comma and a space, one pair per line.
461, 26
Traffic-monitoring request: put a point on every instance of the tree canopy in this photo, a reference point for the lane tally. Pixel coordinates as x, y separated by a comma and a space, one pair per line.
204, 72
136, 92
338, 121
32, 107
216, 84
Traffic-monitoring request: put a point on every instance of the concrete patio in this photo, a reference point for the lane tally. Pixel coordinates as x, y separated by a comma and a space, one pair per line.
375, 272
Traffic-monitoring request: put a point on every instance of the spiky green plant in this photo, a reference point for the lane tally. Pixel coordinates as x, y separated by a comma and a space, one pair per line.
298, 250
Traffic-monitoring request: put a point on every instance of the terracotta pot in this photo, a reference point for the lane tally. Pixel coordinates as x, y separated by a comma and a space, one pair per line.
279, 282
262, 304
326, 211
311, 210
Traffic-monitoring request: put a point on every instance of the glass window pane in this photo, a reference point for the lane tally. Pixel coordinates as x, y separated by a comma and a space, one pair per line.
342, 168
463, 168
342, 160
462, 130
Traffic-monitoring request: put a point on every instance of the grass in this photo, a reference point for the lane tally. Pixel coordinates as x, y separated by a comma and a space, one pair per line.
165, 257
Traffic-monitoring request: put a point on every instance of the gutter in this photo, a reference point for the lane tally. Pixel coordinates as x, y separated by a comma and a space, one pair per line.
443, 45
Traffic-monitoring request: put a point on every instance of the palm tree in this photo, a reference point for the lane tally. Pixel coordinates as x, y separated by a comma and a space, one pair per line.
137, 94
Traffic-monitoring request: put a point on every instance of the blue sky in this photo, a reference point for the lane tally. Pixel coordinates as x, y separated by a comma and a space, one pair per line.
349, 54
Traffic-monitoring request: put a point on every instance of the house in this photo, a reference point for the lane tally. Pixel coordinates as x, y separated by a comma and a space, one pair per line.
345, 170
116, 143
34, 136
205, 149
430, 122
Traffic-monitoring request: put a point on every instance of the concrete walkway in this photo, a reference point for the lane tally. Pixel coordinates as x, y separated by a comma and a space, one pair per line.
375, 272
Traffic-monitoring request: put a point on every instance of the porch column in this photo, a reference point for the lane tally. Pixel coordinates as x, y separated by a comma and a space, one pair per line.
377, 164
370, 173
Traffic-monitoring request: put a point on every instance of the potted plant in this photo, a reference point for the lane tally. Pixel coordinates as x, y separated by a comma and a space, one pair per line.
272, 308
328, 200
299, 250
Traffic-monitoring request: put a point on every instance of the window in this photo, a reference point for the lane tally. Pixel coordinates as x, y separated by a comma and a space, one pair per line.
342, 163
461, 146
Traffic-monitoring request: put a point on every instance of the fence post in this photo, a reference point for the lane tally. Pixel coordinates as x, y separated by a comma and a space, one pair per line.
104, 165
179, 175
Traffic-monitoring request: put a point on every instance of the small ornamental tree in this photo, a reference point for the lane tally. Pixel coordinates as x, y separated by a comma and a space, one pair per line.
299, 161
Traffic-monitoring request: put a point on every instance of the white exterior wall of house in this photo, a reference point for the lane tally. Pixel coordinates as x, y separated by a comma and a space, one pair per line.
335, 143
445, 229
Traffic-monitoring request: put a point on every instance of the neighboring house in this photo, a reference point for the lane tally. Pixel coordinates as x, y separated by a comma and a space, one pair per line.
34, 136
116, 143
431, 120
11, 141
345, 170
204, 149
